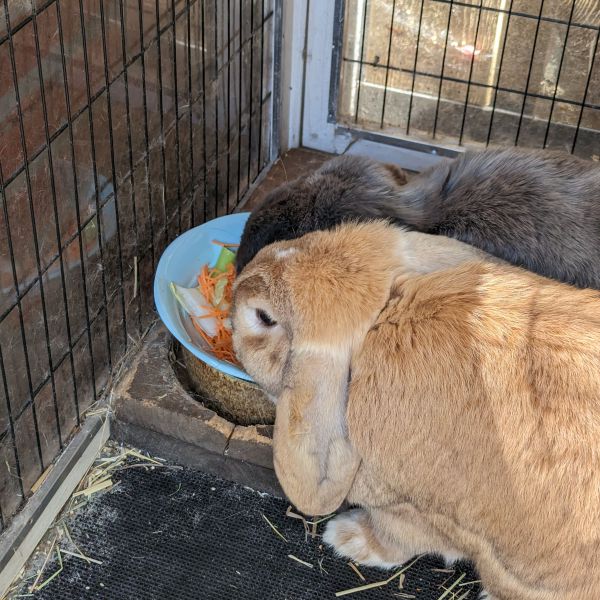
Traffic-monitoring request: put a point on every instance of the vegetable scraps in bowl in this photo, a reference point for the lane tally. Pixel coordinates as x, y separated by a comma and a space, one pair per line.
209, 303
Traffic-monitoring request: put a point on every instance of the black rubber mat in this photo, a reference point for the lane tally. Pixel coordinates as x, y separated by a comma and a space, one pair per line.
178, 534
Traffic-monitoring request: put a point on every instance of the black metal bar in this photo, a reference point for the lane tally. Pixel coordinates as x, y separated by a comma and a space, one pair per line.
439, 98
497, 86
94, 97
189, 102
116, 185
216, 109
35, 240
176, 93
526, 92
33, 518
58, 364
239, 131
161, 108
496, 10
464, 116
61, 360
251, 91
132, 176
228, 109
585, 93
303, 86
479, 84
23, 337
266, 18
274, 127
560, 65
362, 53
274, 86
36, 10
24, 290
387, 71
262, 61
95, 171
11, 422
336, 58
56, 223
412, 87
62, 128
76, 199
205, 166
146, 135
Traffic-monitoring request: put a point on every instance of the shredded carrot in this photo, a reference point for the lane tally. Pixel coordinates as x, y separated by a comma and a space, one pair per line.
221, 344
208, 278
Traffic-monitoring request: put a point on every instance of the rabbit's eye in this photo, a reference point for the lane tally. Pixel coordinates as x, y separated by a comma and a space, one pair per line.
264, 318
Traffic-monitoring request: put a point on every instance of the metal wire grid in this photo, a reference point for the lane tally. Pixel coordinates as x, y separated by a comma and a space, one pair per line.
495, 98
122, 124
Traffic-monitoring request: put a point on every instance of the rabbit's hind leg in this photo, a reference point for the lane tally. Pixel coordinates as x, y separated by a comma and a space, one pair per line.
384, 538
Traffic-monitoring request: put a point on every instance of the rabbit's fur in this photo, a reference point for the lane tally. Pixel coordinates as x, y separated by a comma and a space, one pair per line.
535, 209
455, 399
344, 188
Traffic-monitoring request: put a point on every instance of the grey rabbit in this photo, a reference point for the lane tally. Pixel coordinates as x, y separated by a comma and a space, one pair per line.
536, 209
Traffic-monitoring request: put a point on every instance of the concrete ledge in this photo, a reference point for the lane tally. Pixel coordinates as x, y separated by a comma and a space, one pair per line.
253, 444
151, 399
182, 453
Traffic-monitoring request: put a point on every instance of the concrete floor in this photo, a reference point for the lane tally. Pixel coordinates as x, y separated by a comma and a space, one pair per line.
290, 166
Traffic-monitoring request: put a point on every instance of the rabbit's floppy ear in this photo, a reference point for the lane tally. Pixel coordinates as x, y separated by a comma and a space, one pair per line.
336, 289
314, 460
397, 173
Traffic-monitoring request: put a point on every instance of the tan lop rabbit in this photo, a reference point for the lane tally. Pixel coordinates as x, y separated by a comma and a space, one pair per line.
453, 398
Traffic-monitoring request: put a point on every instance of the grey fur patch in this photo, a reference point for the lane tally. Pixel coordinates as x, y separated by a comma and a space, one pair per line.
535, 209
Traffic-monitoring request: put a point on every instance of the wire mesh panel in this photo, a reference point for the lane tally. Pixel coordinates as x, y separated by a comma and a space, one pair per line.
500, 72
122, 124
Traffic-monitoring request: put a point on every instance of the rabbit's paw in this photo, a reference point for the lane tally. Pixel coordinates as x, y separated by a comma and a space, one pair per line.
351, 535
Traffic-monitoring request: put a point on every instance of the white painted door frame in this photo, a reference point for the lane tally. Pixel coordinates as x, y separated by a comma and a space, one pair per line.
307, 116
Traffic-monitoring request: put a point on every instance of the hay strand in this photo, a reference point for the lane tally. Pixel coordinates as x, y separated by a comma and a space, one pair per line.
355, 569
32, 587
55, 574
82, 556
321, 567
370, 586
298, 560
96, 487
449, 589
277, 532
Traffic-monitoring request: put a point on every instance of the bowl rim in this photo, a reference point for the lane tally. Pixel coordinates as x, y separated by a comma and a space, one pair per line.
161, 288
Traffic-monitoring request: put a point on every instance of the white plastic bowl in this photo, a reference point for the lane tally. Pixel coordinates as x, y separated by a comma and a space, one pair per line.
181, 263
